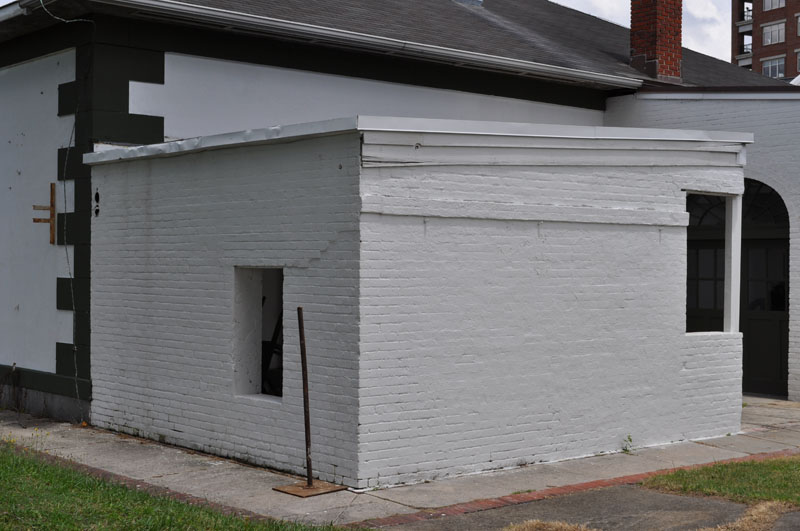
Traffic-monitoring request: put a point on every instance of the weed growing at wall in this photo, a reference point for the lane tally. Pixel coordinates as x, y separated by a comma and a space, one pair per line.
627, 444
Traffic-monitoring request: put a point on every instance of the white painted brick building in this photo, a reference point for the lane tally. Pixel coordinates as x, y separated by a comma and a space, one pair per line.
477, 295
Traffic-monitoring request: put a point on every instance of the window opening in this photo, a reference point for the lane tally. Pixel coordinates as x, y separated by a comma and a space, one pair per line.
774, 33
258, 331
773, 68
272, 332
705, 274
773, 4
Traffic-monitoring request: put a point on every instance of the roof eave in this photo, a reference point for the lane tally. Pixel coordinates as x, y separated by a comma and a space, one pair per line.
374, 43
10, 11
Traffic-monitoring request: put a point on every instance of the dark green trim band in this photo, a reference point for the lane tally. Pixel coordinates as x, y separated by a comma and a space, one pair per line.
44, 42
46, 382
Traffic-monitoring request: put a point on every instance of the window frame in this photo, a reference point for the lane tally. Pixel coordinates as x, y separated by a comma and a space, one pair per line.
769, 5
779, 33
776, 61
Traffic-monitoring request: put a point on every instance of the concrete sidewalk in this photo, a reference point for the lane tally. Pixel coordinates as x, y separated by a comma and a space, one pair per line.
769, 426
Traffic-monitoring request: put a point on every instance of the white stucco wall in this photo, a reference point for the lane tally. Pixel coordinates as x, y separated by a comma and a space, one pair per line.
204, 96
170, 250
30, 135
523, 300
772, 159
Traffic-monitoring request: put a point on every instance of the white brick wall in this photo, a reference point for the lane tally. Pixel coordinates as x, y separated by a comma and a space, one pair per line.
165, 244
772, 159
710, 384
534, 310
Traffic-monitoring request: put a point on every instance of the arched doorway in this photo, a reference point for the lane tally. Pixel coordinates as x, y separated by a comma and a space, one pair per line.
765, 281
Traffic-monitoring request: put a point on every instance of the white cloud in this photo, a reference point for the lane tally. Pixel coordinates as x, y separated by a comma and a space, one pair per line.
706, 23
618, 11
703, 10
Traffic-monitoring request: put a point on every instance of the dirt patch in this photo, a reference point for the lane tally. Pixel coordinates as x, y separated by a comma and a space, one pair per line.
761, 517
538, 525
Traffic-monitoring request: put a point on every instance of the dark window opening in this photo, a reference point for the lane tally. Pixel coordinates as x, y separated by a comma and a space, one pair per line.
705, 273
272, 332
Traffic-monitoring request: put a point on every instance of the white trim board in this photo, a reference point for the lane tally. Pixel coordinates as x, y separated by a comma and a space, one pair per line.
718, 95
279, 133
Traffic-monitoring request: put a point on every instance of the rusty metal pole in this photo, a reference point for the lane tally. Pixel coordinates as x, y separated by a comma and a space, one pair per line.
309, 481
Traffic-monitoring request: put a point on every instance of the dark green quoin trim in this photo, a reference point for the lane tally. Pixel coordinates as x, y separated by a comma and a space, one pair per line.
98, 98
64, 294
67, 98
48, 382
78, 226
75, 170
66, 360
82, 335
81, 261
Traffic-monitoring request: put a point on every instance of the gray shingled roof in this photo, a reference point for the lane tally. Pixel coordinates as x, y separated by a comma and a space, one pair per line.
536, 31
531, 30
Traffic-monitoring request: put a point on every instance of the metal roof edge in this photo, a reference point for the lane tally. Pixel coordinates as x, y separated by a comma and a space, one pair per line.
409, 125
467, 127
248, 137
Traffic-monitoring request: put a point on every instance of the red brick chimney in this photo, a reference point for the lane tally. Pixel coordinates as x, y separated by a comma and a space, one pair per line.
656, 38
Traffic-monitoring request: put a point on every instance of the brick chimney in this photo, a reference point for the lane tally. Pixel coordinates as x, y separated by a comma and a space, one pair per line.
656, 38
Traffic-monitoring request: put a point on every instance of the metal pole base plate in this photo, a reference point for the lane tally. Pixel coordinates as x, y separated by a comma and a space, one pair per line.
304, 491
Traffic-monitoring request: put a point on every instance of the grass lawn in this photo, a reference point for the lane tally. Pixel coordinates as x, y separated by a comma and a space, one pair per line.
747, 482
38, 495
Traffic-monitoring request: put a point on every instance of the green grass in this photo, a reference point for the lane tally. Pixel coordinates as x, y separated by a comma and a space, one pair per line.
747, 482
38, 495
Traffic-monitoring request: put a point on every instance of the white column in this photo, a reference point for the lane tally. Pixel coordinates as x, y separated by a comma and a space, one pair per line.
733, 261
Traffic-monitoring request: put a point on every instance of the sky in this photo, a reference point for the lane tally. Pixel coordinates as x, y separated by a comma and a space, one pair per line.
706, 23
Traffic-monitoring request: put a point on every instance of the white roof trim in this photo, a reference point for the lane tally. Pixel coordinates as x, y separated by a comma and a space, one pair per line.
373, 42
755, 95
392, 124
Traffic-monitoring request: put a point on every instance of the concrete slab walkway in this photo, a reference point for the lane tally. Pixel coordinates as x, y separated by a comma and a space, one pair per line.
769, 426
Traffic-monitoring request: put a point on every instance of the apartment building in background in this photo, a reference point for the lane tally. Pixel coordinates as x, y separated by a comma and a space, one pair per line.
765, 37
